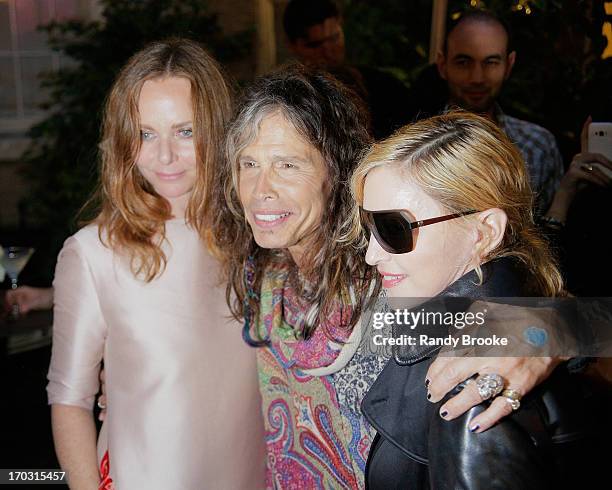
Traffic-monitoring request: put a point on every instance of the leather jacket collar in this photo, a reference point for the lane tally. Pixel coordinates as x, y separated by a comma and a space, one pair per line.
396, 404
501, 278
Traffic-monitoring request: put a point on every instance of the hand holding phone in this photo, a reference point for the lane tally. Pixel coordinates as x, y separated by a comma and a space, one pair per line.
600, 139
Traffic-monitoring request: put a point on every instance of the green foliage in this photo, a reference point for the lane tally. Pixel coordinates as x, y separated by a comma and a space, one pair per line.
388, 34
62, 159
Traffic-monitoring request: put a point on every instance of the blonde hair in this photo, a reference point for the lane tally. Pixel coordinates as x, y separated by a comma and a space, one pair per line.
132, 215
465, 161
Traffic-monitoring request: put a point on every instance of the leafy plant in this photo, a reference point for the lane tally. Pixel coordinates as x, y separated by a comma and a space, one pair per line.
389, 34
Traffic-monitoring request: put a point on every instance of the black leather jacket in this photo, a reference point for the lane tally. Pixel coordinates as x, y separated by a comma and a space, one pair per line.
542, 445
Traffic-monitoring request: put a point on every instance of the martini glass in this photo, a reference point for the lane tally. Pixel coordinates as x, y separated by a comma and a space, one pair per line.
14, 260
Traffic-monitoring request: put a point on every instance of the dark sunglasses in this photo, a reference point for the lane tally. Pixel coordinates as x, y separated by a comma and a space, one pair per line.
393, 228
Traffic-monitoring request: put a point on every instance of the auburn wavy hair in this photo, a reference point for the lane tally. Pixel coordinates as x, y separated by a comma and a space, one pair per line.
332, 119
465, 161
131, 216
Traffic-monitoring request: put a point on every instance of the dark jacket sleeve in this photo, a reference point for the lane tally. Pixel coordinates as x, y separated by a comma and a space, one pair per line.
503, 457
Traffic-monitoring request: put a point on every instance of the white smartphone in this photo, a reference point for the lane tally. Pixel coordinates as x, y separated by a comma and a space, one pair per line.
600, 138
600, 141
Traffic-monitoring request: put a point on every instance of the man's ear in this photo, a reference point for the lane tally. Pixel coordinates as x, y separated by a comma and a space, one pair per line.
491, 231
441, 64
510, 65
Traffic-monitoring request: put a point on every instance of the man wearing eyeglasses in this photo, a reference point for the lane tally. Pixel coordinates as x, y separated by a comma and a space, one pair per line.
315, 36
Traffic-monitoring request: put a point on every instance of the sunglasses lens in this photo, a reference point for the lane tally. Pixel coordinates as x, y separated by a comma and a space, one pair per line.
393, 229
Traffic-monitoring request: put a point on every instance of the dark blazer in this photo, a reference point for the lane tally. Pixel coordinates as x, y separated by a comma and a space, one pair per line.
539, 446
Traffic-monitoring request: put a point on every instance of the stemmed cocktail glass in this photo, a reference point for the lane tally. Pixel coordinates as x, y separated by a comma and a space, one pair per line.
14, 260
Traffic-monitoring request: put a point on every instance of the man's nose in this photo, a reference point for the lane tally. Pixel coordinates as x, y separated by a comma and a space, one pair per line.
265, 186
476, 73
328, 49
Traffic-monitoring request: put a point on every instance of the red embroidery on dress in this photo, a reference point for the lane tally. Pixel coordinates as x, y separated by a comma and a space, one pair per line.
107, 481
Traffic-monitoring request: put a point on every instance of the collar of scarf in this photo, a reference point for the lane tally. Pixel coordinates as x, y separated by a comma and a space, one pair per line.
283, 315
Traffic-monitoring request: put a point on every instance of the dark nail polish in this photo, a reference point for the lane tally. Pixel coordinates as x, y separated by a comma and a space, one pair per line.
474, 428
427, 382
444, 414
429, 396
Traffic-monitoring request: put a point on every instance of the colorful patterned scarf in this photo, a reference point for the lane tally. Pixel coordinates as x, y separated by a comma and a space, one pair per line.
309, 436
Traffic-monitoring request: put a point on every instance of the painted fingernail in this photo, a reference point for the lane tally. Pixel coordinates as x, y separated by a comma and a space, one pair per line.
427, 382
428, 395
474, 428
443, 414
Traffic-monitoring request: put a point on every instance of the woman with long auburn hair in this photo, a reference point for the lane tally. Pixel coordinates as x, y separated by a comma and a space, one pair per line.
139, 288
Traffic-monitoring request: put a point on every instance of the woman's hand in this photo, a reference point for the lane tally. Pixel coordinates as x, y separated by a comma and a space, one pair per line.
102, 397
520, 373
585, 168
29, 298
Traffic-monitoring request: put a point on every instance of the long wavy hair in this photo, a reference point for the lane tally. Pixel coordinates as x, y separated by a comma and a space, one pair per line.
329, 117
131, 215
465, 161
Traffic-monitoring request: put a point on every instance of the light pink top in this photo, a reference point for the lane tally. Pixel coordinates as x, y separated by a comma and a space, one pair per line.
183, 404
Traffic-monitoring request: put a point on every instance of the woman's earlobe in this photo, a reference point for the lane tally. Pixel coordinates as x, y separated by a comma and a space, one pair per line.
481, 239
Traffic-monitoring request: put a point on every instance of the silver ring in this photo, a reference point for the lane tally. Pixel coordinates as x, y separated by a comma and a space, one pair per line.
513, 397
489, 385
587, 167
101, 405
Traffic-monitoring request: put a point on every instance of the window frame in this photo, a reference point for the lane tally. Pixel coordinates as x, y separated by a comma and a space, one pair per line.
18, 124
